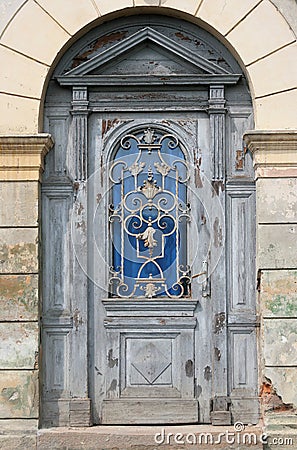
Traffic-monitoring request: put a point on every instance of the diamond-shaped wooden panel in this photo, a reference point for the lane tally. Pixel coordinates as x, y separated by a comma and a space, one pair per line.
150, 361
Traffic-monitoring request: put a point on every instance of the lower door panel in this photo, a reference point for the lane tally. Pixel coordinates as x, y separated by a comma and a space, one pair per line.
150, 375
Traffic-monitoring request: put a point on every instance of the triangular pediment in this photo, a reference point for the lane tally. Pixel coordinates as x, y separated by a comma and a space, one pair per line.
147, 58
147, 52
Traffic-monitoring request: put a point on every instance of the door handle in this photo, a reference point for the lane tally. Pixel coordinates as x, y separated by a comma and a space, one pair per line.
205, 282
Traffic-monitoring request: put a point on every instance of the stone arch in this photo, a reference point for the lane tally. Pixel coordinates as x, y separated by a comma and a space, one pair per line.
258, 47
27, 58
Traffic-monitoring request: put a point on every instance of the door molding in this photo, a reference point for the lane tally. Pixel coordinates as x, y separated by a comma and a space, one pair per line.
97, 90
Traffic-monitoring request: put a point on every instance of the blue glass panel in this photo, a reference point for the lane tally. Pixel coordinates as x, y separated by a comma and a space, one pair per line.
148, 235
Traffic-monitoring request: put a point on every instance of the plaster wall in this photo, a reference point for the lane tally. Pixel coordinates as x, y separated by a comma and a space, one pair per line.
33, 35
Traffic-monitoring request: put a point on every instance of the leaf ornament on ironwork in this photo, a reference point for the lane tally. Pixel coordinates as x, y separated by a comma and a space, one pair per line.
150, 289
150, 188
136, 168
148, 238
149, 136
162, 168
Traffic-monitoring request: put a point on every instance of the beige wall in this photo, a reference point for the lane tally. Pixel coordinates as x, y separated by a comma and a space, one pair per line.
275, 162
21, 161
33, 33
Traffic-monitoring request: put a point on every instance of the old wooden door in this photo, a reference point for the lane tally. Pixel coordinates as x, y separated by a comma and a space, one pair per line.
158, 238
149, 309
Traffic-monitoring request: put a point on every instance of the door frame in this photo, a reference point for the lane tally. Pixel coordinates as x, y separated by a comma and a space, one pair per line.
243, 404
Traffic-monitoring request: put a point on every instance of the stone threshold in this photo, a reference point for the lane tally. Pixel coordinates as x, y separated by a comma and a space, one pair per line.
23, 435
202, 437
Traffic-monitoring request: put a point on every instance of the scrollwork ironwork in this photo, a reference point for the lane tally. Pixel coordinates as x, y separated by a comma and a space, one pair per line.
148, 216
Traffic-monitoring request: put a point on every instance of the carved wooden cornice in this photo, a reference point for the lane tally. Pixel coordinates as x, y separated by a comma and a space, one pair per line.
203, 71
22, 157
274, 152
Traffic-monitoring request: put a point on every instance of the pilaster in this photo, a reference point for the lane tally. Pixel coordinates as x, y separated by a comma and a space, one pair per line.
217, 113
21, 157
80, 114
275, 163
21, 167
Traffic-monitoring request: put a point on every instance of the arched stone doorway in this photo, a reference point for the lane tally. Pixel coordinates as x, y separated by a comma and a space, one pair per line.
107, 356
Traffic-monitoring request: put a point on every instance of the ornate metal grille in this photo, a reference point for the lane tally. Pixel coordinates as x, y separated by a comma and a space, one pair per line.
148, 217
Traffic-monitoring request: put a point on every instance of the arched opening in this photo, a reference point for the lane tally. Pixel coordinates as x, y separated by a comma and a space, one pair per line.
148, 213
109, 354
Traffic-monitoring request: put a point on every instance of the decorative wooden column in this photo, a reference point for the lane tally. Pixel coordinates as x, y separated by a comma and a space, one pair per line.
80, 406
217, 113
65, 314
80, 114
221, 414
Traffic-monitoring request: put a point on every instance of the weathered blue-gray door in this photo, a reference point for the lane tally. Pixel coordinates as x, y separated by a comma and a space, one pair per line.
151, 253
148, 231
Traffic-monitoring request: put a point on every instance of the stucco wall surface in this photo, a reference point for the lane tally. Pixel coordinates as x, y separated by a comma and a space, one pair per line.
33, 32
